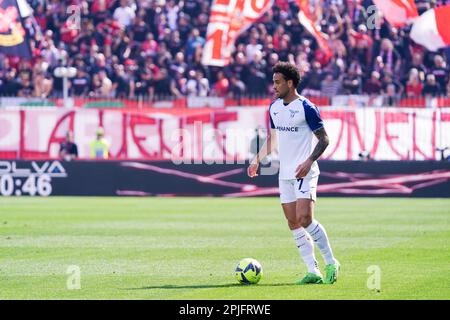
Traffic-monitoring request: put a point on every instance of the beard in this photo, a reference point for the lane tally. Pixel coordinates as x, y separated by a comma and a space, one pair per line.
281, 94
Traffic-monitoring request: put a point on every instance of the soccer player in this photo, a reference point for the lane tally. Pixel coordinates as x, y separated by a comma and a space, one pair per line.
294, 119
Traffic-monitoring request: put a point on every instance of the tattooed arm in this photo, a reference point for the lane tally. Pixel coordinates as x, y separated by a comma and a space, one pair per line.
303, 169
321, 134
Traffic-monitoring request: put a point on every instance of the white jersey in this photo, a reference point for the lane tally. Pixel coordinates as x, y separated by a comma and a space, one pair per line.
295, 124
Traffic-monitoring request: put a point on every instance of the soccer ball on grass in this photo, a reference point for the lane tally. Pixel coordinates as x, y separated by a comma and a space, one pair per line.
248, 271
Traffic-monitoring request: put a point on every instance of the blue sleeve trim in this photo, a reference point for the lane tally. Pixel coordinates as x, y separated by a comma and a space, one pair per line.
312, 116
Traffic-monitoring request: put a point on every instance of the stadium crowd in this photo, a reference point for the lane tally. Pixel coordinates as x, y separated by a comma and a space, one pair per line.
153, 48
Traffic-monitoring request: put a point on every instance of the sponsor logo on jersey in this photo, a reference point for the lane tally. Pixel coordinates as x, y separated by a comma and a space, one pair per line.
290, 129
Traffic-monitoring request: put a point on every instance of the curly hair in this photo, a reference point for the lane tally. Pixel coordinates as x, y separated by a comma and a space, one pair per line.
289, 72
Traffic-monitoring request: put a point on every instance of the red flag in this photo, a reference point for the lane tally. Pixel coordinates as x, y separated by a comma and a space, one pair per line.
227, 20
307, 19
398, 12
431, 28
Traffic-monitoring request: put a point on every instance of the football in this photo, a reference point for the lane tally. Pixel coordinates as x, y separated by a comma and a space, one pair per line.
248, 271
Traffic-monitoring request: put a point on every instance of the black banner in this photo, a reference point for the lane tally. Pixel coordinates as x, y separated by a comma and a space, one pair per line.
139, 178
13, 35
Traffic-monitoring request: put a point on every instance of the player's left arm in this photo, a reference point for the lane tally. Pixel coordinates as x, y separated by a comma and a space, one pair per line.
322, 144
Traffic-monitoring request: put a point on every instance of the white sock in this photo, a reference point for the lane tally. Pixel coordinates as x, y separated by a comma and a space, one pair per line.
319, 235
306, 248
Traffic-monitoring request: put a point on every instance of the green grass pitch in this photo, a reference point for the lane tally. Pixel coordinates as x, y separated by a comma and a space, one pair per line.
187, 248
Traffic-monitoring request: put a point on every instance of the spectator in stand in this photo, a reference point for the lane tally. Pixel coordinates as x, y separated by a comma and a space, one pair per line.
335, 43
257, 83
238, 67
178, 84
175, 44
440, 72
203, 84
191, 7
184, 26
106, 88
139, 30
125, 13
201, 22
352, 82
99, 64
143, 83
42, 85
431, 87
172, 10
95, 86
417, 63
11, 86
271, 62
149, 47
40, 65
252, 48
194, 41
220, 88
360, 42
414, 84
68, 149
259, 62
336, 67
388, 80
389, 56
26, 86
330, 86
160, 87
236, 89
373, 85
197, 85
100, 8
313, 80
122, 82
179, 63
80, 83
192, 84
390, 95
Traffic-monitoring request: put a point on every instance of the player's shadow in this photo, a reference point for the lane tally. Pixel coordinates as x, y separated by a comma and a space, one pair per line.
209, 286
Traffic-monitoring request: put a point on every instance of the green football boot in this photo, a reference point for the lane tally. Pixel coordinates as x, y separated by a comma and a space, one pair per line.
332, 272
310, 278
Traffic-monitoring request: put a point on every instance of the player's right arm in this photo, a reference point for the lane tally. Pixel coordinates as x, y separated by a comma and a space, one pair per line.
267, 148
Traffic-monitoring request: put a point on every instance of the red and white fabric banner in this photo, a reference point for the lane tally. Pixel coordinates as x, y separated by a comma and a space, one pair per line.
307, 19
398, 12
432, 29
220, 134
227, 20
